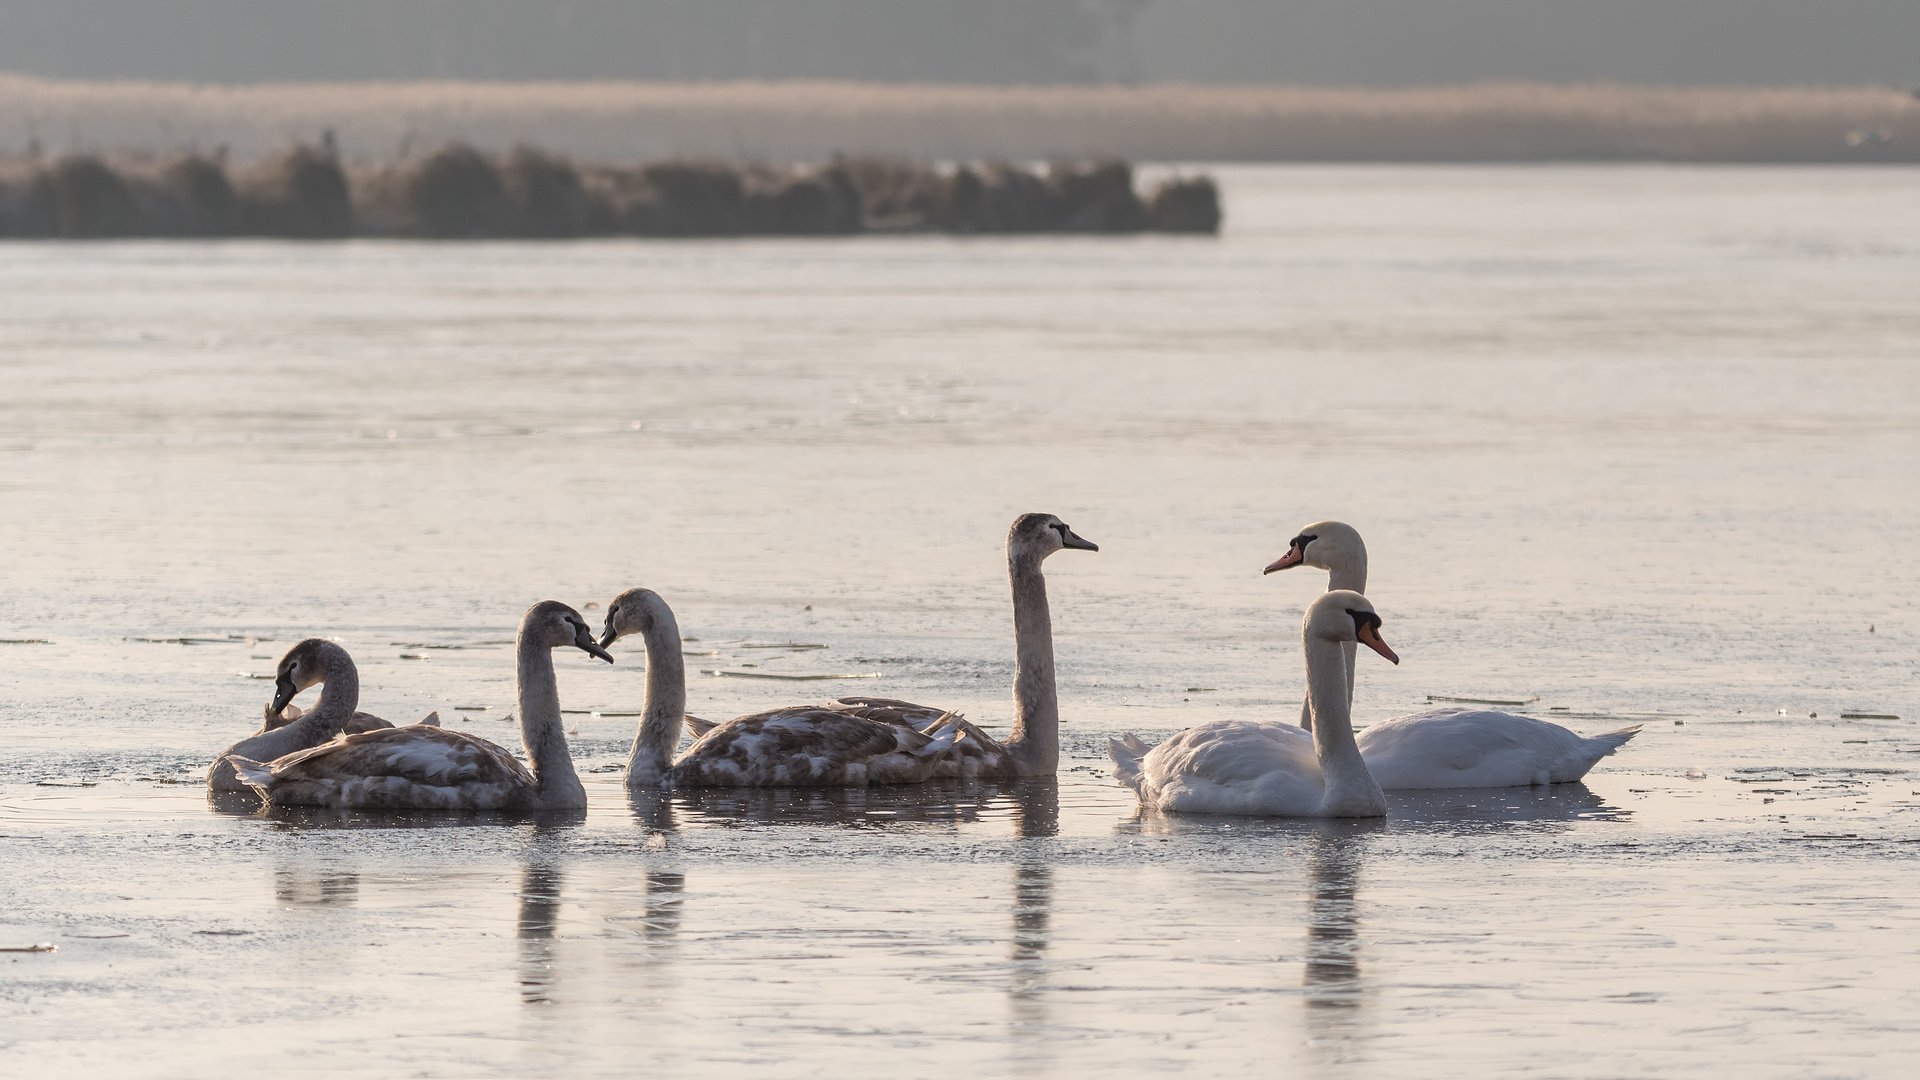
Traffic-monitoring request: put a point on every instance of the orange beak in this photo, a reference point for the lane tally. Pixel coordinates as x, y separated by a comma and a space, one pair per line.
1370, 637
1291, 558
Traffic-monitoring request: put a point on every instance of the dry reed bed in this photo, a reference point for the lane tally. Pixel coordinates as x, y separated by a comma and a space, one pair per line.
457, 192
626, 121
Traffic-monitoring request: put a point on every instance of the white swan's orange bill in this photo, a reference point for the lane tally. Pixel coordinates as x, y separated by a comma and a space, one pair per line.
1370, 637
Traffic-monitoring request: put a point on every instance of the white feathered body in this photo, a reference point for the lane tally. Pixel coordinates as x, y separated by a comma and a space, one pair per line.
1476, 748
1245, 767
1226, 767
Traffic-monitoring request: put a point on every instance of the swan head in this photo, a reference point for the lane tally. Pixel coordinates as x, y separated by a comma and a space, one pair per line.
304, 665
1037, 536
636, 611
1325, 545
555, 625
1343, 615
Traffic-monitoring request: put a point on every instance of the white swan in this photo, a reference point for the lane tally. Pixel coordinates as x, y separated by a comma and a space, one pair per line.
1033, 748
1246, 767
1447, 748
286, 729
803, 746
427, 768
1336, 547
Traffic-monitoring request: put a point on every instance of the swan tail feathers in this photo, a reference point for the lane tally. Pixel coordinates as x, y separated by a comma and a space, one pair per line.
432, 719
698, 726
252, 773
948, 720
1613, 740
1126, 752
939, 745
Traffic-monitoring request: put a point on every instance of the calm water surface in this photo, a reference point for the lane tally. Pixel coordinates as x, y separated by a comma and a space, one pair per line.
1638, 443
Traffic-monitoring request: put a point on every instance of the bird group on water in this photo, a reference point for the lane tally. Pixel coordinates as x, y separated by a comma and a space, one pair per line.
335, 756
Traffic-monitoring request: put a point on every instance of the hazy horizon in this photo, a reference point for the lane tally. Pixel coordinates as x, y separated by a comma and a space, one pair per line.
1307, 42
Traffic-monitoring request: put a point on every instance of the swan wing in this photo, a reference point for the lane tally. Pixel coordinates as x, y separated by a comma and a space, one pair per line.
1462, 748
1234, 767
803, 747
888, 710
417, 767
364, 722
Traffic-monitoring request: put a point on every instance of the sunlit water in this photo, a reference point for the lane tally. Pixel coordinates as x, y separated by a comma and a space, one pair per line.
1640, 443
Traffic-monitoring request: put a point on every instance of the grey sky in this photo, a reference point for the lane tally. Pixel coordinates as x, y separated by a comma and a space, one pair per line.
1340, 42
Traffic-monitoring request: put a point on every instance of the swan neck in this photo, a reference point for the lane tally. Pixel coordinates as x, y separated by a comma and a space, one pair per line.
541, 732
665, 711
1352, 574
339, 696
1035, 741
1350, 788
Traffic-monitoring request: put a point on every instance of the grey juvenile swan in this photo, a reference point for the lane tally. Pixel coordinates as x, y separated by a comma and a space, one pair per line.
427, 768
853, 740
802, 746
1033, 749
286, 728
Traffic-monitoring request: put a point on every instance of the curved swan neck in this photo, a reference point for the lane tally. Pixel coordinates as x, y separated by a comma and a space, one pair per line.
666, 705
339, 695
1350, 574
1350, 788
1035, 742
541, 731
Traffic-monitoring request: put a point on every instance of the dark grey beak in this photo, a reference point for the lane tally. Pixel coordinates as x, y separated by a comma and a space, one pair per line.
609, 635
283, 692
1077, 542
583, 637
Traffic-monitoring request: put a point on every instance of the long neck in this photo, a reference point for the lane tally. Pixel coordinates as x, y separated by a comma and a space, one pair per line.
339, 697
1035, 742
541, 731
1350, 788
1351, 575
666, 707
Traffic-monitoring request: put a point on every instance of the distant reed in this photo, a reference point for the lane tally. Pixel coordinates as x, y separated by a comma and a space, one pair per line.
457, 192
812, 121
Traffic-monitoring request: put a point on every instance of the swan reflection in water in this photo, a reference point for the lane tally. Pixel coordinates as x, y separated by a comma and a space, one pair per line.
541, 894
1332, 976
1332, 979
936, 802
299, 883
1035, 817
1471, 809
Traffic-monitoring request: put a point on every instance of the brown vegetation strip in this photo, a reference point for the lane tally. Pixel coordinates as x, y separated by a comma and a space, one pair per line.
801, 121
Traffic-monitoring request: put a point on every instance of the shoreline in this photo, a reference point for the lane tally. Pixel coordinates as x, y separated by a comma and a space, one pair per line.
799, 121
